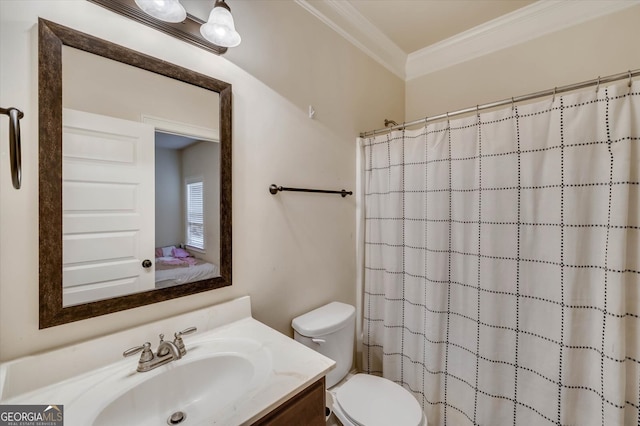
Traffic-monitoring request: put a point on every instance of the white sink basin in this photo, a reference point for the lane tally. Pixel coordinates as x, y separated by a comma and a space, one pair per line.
192, 389
208, 381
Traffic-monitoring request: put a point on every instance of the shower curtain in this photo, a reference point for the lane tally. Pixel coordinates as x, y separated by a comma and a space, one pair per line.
502, 262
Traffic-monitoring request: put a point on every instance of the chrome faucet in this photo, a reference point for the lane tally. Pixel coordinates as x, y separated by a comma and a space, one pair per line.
166, 352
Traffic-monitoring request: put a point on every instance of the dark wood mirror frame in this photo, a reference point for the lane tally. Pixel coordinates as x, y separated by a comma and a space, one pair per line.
51, 38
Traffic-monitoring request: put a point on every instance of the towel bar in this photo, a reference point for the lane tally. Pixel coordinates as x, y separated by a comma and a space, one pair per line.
14, 144
273, 189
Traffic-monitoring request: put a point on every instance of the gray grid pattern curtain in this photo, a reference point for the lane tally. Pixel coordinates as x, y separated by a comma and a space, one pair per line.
502, 262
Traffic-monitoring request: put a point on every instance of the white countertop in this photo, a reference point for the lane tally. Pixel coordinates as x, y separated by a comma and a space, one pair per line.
293, 368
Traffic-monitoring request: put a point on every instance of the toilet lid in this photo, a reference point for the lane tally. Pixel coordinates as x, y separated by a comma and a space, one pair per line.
374, 401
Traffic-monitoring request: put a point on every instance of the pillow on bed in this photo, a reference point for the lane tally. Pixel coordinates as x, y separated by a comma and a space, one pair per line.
168, 251
180, 253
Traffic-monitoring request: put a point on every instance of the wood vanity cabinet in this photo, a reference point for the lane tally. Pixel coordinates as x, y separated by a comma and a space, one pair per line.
303, 409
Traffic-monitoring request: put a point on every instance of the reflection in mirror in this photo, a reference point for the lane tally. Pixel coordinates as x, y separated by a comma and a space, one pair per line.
117, 166
105, 113
187, 205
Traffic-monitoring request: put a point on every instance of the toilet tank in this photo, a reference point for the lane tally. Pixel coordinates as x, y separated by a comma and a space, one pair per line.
330, 330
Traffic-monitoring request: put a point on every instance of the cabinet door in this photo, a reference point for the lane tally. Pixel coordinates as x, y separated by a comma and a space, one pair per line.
304, 409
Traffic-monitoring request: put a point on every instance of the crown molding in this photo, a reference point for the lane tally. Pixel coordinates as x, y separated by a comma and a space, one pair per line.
530, 22
538, 19
344, 19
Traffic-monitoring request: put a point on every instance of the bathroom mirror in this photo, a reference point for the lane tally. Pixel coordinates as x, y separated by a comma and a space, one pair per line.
104, 238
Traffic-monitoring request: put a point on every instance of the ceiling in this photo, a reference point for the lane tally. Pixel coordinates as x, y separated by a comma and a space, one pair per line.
171, 141
416, 24
412, 38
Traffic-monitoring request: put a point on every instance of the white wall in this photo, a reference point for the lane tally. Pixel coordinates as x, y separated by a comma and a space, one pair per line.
169, 205
604, 46
291, 252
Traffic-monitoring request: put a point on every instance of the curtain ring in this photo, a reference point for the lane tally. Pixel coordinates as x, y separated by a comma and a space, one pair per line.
553, 100
513, 104
598, 86
630, 82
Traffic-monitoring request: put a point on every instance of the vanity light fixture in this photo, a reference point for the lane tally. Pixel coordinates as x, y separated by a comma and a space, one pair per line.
164, 10
220, 29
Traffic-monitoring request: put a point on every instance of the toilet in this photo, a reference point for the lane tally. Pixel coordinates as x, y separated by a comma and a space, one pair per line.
363, 399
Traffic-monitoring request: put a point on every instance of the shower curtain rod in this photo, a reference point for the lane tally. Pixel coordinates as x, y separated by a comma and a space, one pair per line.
554, 91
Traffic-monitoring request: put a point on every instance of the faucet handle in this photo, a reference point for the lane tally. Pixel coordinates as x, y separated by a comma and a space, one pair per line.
146, 355
186, 331
178, 339
136, 349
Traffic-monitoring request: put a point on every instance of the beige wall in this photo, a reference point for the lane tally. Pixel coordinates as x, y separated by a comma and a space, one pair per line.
202, 159
99, 85
604, 46
169, 206
292, 252
306, 62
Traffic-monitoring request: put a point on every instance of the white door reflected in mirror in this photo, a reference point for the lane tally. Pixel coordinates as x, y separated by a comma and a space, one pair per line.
107, 197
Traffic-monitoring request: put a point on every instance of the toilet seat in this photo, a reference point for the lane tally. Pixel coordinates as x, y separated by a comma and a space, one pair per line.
374, 401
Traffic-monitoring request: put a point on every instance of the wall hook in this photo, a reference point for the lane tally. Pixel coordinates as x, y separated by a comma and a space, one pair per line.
14, 144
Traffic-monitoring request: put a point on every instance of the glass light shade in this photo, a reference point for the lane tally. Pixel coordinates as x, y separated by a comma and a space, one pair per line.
164, 10
220, 29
